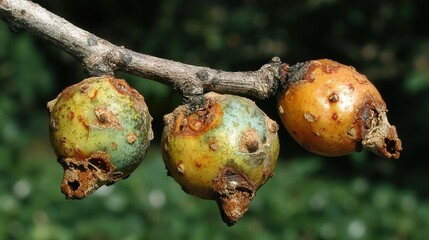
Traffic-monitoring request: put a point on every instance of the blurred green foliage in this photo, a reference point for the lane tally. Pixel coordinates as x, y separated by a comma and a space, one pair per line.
360, 196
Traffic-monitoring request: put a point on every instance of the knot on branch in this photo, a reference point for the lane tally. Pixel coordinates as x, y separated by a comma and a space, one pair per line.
106, 63
192, 92
269, 75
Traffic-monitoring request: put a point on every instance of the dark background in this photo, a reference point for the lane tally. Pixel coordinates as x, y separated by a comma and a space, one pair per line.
360, 196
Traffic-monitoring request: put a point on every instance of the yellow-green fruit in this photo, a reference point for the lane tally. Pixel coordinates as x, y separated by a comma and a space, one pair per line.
224, 151
100, 130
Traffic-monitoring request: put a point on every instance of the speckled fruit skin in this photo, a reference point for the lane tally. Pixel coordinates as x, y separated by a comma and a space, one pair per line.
330, 108
100, 130
227, 145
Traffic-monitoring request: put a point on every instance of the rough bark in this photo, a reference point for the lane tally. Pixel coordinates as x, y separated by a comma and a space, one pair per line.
100, 57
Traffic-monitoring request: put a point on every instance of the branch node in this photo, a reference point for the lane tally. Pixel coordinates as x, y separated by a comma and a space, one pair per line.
94, 65
270, 76
203, 75
106, 63
189, 89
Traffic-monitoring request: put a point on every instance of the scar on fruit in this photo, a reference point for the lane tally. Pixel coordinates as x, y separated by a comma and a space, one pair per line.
106, 118
250, 141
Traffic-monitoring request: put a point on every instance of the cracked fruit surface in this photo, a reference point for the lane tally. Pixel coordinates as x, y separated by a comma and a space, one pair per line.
332, 110
100, 130
223, 151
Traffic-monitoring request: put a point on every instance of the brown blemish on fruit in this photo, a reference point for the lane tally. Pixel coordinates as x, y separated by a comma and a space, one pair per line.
308, 70
213, 145
310, 75
249, 141
114, 145
93, 94
330, 68
194, 124
84, 175
333, 97
234, 192
82, 120
120, 85
198, 165
198, 122
353, 133
335, 116
71, 115
131, 138
273, 126
106, 118
84, 88
78, 154
361, 79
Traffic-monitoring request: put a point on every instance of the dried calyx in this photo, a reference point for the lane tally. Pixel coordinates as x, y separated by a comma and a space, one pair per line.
377, 135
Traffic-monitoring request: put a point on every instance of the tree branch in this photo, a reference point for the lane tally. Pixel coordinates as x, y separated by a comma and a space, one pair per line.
101, 57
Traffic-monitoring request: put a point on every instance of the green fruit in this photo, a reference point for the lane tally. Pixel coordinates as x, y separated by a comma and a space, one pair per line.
100, 130
224, 151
